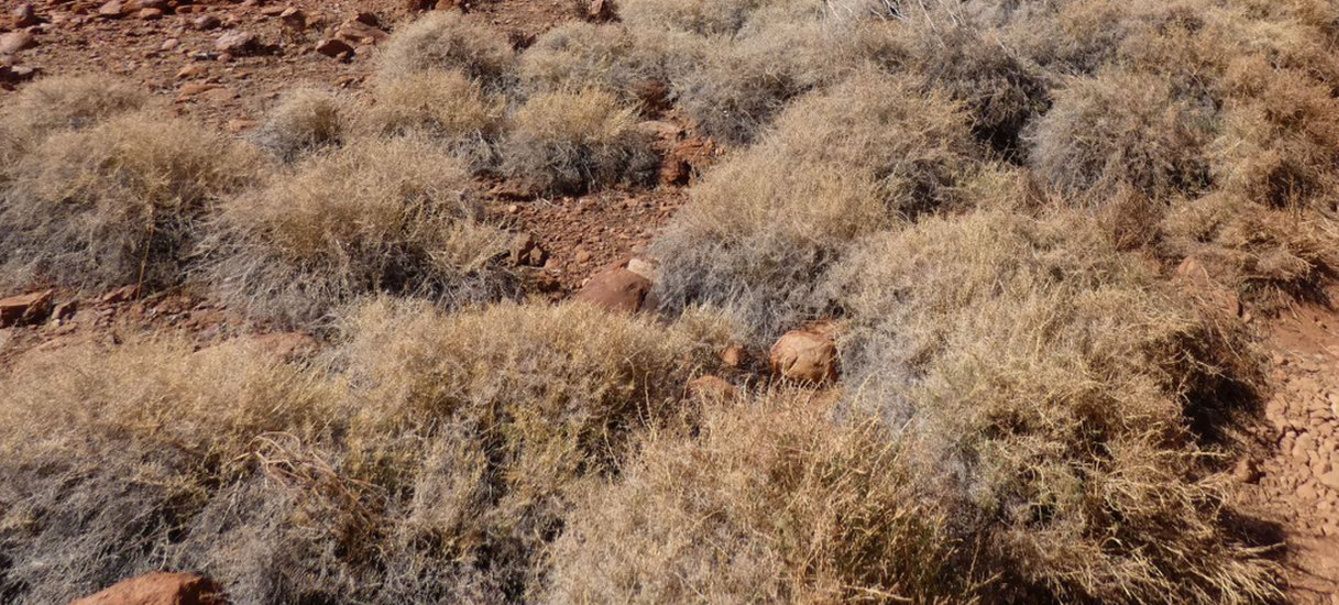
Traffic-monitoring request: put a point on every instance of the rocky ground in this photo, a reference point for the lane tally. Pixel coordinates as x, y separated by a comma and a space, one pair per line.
1297, 479
225, 63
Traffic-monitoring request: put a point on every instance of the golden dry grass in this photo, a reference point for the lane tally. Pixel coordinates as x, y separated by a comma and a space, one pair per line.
137, 442
430, 457
1057, 400
736, 88
305, 121
116, 203
863, 156
1122, 129
1272, 258
708, 18
449, 40
988, 197
69, 102
572, 142
576, 56
769, 500
442, 106
377, 216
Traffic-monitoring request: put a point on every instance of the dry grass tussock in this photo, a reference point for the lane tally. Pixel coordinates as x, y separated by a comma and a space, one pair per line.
769, 501
948, 50
731, 66
117, 202
707, 18
1055, 400
1121, 129
839, 164
1279, 141
376, 216
577, 55
448, 40
1271, 257
305, 121
69, 102
572, 142
736, 89
442, 106
1227, 96
54, 104
980, 192
112, 458
431, 460
487, 423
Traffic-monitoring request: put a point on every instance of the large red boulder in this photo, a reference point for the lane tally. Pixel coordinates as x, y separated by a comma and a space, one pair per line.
159, 588
616, 289
807, 356
25, 308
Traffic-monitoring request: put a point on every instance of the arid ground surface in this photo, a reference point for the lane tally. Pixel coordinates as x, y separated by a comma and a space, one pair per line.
1216, 395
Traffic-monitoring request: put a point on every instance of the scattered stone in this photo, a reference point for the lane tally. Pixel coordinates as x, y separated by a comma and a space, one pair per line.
661, 129
359, 32
14, 42
159, 588
237, 125
13, 74
139, 5
169, 44
119, 295
25, 308
288, 346
294, 19
600, 10
734, 356
149, 14
582, 256
616, 289
805, 356
65, 311
25, 16
683, 159
193, 70
111, 10
334, 48
206, 22
644, 268
237, 43
218, 94
712, 388
525, 251
192, 89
